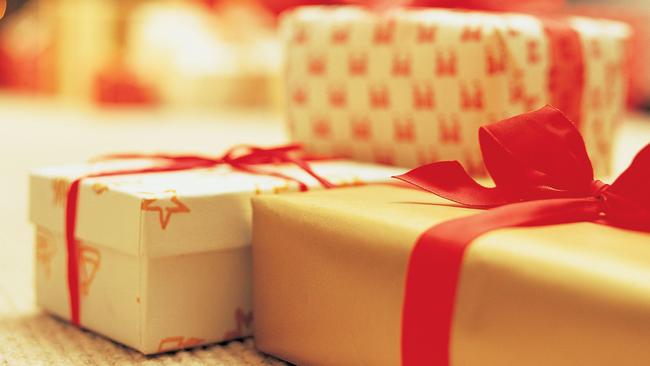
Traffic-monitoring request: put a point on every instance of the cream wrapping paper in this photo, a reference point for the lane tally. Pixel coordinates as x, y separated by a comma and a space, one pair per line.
329, 273
165, 257
409, 87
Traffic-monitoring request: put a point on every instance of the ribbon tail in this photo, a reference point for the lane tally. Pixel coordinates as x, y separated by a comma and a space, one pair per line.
448, 179
307, 168
435, 266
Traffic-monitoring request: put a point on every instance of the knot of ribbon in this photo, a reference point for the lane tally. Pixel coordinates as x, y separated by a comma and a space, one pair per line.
244, 158
239, 157
542, 176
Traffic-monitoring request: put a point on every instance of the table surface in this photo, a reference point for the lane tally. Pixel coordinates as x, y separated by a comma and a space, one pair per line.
41, 132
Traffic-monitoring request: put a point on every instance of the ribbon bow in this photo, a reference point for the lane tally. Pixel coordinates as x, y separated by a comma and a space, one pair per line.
542, 176
241, 157
540, 155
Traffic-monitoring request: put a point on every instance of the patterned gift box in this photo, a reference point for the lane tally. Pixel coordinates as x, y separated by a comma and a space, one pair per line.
409, 87
164, 258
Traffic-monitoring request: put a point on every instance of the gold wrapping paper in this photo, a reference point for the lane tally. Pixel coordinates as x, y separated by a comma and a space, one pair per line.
329, 275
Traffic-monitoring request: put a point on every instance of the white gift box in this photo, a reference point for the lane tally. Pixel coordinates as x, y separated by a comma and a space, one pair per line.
164, 258
412, 86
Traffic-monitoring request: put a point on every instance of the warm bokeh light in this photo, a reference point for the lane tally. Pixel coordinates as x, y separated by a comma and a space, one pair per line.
391, 84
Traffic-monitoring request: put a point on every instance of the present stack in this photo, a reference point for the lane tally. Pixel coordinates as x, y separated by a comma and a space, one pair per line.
547, 267
412, 86
163, 258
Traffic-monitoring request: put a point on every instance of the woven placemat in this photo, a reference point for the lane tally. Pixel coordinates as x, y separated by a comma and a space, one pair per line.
31, 337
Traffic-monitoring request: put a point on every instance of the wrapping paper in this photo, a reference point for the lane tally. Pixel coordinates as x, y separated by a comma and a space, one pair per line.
412, 86
328, 284
637, 16
165, 257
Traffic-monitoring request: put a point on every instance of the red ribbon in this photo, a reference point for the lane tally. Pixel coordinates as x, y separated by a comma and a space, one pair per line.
542, 176
243, 158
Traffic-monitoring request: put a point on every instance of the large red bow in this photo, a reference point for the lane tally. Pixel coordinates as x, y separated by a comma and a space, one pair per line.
243, 157
542, 176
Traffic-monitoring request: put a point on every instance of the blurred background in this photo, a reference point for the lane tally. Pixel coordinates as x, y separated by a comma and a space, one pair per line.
194, 54
198, 54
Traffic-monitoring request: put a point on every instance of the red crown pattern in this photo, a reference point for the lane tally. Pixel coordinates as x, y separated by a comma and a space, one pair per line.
596, 49
596, 99
375, 64
401, 65
317, 65
379, 97
361, 128
427, 33
384, 32
495, 61
384, 155
299, 96
513, 32
300, 36
471, 98
613, 72
337, 97
357, 64
446, 66
448, 130
340, 35
516, 89
422, 96
321, 127
531, 102
404, 130
532, 48
603, 144
471, 34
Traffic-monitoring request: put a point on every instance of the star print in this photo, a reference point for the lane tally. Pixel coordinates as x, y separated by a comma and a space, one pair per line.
45, 250
99, 188
179, 342
164, 213
60, 188
89, 262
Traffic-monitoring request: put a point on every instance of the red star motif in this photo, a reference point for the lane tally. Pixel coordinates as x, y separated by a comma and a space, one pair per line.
164, 213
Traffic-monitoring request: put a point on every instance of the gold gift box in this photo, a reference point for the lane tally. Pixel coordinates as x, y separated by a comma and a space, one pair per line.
330, 269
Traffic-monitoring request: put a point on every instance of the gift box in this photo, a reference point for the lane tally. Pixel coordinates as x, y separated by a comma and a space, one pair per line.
412, 86
163, 258
384, 275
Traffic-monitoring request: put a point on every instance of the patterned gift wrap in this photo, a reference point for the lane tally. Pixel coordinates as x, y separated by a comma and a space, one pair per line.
163, 258
409, 87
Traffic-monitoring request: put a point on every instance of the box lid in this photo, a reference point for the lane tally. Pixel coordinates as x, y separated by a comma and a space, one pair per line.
172, 213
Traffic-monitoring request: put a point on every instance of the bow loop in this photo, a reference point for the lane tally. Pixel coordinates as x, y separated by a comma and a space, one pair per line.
536, 155
448, 179
628, 198
634, 182
537, 151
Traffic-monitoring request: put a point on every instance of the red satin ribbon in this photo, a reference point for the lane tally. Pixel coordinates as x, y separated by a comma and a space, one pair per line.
543, 176
566, 74
243, 158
